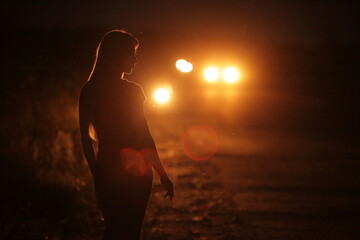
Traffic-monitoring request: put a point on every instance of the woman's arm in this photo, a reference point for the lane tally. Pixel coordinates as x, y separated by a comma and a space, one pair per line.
149, 109
154, 158
86, 140
165, 180
156, 163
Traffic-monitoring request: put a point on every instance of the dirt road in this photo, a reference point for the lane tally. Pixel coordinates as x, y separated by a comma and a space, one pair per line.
261, 183
259, 186
304, 192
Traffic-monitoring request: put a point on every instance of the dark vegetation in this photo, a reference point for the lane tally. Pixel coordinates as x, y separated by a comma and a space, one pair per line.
45, 182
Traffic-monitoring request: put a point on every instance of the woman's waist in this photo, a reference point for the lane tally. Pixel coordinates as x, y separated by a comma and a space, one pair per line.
115, 148
117, 165
124, 158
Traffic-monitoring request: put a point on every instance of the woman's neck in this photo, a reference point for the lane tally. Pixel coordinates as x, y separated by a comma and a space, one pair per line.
110, 74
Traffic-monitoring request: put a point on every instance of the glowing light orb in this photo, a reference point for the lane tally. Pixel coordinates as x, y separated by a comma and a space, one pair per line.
184, 66
211, 74
200, 142
231, 75
162, 95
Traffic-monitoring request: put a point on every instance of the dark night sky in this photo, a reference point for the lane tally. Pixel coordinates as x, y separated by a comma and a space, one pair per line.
278, 20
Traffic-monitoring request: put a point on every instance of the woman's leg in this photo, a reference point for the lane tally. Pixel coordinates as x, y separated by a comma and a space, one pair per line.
123, 201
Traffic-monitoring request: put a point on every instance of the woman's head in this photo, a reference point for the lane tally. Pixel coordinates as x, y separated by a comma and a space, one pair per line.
116, 52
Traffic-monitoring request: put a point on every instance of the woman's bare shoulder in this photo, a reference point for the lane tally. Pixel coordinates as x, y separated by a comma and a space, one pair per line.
132, 83
138, 89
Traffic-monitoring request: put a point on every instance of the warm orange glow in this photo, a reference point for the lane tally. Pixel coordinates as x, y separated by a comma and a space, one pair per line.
92, 132
200, 142
162, 95
211, 74
231, 75
134, 161
184, 66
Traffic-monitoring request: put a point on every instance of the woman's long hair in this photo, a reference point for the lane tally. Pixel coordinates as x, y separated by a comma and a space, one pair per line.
113, 42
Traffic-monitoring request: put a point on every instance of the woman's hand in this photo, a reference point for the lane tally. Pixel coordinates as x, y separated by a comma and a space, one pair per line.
168, 186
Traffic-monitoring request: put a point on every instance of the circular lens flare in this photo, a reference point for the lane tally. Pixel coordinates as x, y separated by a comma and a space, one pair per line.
211, 74
162, 95
133, 161
231, 75
200, 142
184, 66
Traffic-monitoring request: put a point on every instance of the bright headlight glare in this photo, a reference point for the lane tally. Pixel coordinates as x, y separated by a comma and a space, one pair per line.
231, 75
162, 95
211, 74
184, 66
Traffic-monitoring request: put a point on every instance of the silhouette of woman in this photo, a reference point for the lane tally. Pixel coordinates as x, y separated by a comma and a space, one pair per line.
111, 113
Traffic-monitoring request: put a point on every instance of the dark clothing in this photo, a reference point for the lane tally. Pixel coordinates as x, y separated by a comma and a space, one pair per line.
116, 111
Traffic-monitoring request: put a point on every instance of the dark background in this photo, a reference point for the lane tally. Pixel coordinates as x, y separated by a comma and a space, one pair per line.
308, 50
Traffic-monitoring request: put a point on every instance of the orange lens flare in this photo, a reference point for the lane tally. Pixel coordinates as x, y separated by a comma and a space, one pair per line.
134, 162
200, 142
